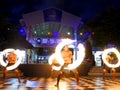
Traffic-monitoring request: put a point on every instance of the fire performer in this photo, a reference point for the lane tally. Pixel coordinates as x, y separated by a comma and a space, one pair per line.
67, 57
11, 57
109, 59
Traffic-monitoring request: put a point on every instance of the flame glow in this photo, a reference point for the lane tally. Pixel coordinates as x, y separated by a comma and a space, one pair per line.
5, 52
114, 50
80, 57
57, 55
51, 58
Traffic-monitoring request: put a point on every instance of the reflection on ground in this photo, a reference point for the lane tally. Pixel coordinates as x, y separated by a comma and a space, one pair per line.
85, 83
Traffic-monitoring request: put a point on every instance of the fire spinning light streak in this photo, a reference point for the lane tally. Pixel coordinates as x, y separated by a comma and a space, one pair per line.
51, 58
6, 52
58, 56
105, 52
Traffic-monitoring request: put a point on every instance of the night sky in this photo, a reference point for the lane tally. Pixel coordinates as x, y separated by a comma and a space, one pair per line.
85, 9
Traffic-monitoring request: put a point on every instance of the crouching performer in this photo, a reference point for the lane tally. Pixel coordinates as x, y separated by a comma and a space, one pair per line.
11, 58
67, 57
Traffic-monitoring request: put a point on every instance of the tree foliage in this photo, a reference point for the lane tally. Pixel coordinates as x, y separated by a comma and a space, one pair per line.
106, 27
9, 34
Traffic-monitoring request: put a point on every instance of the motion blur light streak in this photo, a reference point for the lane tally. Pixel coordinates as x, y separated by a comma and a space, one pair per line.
6, 52
51, 58
80, 57
59, 48
58, 57
3, 56
114, 50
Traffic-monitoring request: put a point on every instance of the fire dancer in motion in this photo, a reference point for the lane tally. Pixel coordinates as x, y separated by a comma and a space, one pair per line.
67, 57
109, 59
11, 57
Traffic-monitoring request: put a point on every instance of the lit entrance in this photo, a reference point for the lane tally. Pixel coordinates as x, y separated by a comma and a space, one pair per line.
98, 58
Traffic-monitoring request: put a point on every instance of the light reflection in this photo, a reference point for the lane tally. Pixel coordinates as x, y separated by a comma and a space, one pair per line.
86, 83
32, 84
99, 83
115, 87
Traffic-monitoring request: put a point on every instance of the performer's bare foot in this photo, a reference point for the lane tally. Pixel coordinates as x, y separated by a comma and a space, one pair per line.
25, 81
56, 85
19, 82
77, 83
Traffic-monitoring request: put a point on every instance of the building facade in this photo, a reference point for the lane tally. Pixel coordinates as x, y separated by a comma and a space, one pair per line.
45, 29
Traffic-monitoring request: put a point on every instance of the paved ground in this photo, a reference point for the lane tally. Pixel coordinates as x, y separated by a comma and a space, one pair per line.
86, 83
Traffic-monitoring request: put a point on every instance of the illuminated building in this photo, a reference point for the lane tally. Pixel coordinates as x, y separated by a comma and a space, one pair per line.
45, 28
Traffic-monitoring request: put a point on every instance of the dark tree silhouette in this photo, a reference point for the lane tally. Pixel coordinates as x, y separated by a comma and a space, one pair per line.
10, 37
106, 27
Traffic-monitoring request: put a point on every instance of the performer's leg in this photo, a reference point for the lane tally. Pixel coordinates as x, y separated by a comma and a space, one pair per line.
18, 75
59, 75
76, 76
113, 73
51, 73
58, 79
4, 75
104, 72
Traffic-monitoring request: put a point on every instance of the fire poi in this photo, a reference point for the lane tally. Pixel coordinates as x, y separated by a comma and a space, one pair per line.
4, 54
57, 55
115, 51
111, 65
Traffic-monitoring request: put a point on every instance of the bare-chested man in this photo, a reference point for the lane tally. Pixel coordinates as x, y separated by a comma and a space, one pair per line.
11, 57
67, 57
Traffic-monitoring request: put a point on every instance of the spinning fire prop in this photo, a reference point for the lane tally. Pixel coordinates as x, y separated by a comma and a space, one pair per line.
3, 56
57, 57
